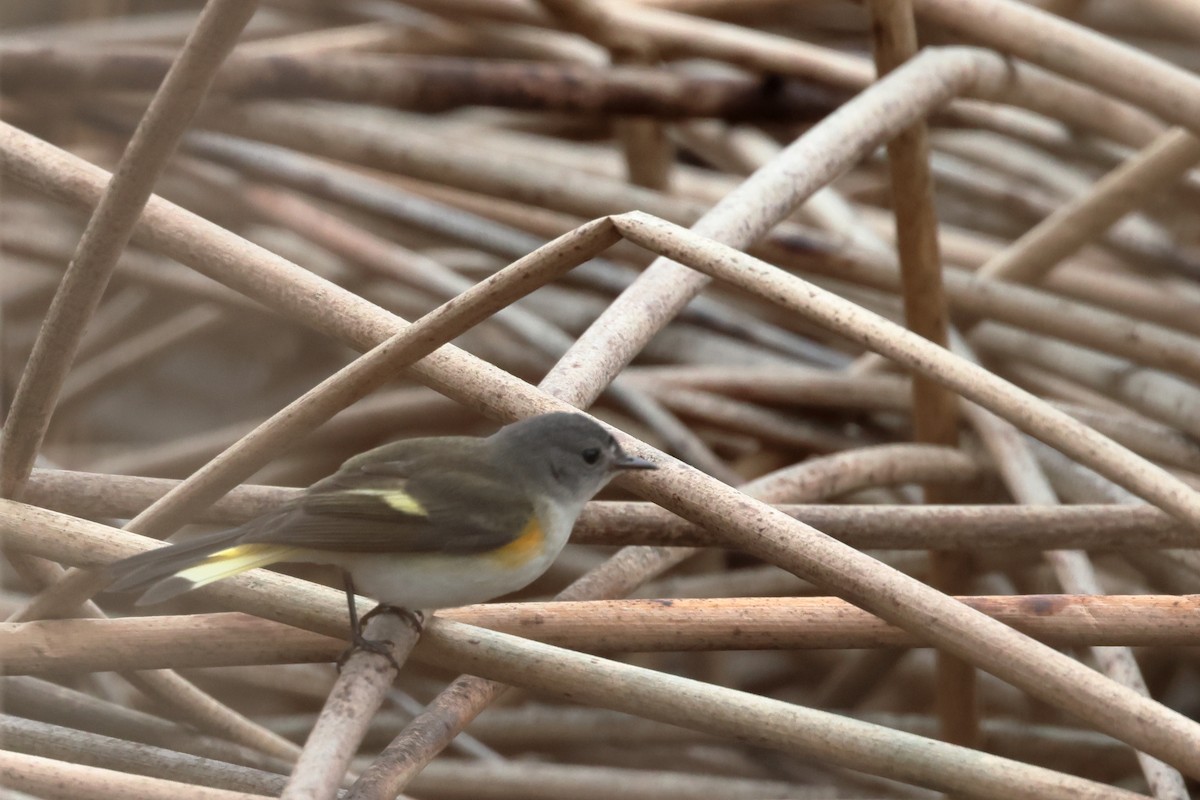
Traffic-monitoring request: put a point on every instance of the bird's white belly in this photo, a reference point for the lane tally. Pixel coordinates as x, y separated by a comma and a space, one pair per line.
432, 581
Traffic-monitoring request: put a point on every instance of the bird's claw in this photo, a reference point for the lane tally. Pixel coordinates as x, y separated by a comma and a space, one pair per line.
415, 618
381, 647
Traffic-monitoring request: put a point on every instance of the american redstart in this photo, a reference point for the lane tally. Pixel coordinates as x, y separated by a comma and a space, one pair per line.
417, 525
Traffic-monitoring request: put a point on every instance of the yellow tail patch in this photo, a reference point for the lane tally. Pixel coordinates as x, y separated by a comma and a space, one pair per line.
232, 560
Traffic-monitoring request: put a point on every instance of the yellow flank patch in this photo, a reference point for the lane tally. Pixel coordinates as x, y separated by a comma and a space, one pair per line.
525, 547
398, 499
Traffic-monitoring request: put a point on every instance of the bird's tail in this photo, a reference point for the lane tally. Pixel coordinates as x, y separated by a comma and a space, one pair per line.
168, 571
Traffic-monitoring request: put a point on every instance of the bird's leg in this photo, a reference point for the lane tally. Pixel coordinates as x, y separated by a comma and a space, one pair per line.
357, 640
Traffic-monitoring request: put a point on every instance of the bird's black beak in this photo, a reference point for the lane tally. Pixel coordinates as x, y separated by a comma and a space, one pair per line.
626, 461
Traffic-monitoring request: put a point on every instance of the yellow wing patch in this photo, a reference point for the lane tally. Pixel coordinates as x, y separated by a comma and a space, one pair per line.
525, 547
398, 499
232, 560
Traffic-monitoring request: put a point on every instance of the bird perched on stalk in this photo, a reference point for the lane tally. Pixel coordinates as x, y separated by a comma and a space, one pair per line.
417, 525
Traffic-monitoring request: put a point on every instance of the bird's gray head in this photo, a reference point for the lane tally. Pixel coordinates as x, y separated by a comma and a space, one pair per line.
567, 456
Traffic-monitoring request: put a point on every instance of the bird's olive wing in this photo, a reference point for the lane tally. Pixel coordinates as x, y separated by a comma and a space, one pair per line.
430, 512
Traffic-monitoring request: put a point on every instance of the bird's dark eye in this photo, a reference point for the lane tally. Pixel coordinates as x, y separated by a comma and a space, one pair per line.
591, 455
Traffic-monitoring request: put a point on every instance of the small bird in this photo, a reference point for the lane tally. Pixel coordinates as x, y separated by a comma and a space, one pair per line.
417, 525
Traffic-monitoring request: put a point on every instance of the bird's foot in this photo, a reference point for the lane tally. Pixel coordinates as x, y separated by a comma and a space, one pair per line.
382, 647
415, 618
359, 642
